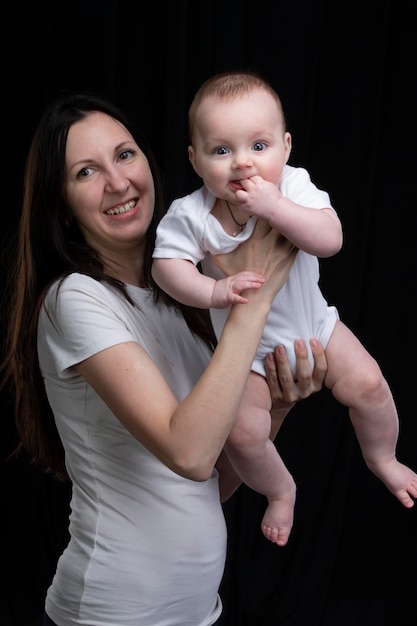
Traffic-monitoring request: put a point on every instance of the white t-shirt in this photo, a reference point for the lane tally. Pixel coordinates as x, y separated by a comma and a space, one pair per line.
147, 546
190, 231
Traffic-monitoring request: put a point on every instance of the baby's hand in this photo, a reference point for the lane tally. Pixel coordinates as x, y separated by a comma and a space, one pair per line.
228, 290
258, 196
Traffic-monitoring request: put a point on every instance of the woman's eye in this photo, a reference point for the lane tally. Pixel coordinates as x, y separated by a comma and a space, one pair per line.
221, 150
126, 154
259, 146
86, 171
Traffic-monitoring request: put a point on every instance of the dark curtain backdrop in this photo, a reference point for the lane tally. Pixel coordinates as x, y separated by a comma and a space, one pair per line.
346, 73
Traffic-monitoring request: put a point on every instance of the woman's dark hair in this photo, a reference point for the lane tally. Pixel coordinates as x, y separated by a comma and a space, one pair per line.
47, 249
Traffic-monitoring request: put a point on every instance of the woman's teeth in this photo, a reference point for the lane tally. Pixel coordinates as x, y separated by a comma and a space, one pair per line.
122, 209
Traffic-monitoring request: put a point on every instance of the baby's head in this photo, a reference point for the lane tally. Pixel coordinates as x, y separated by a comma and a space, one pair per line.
226, 87
237, 131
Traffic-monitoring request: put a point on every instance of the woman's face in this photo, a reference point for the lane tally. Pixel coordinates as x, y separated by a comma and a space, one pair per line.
109, 187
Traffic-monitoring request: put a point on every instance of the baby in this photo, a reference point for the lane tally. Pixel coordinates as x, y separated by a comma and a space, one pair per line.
239, 146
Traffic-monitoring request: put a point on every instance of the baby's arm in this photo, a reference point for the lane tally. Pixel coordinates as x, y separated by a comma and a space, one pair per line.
316, 231
182, 280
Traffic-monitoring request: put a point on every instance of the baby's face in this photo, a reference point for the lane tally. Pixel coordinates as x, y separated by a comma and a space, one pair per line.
239, 138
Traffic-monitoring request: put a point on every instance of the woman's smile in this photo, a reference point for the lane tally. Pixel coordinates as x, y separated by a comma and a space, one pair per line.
122, 209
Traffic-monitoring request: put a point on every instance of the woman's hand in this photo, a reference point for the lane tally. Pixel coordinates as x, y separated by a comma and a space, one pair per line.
286, 390
266, 252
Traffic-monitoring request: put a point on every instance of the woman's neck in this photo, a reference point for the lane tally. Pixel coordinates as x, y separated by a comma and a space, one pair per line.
128, 268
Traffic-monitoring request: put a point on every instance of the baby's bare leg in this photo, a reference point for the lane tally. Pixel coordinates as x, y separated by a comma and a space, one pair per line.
256, 460
356, 381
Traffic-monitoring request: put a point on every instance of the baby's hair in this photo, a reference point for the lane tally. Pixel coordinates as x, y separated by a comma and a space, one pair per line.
227, 86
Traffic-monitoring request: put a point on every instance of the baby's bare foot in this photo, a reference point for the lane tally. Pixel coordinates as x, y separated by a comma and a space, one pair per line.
399, 479
278, 519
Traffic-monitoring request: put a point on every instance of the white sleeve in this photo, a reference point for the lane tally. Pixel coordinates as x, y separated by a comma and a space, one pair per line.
180, 232
82, 318
296, 185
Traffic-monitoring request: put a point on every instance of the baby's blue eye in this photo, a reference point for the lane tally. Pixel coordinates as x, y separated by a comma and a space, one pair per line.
221, 150
258, 146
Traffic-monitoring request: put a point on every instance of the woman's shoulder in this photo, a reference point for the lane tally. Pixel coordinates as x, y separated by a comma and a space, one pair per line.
75, 288
81, 281
82, 307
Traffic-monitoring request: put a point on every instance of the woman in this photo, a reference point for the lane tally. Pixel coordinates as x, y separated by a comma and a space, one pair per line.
118, 387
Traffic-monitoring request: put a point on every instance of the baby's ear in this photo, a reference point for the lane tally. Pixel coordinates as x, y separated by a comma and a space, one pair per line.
288, 145
191, 156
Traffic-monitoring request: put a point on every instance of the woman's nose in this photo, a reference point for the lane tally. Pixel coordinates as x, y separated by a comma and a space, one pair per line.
116, 181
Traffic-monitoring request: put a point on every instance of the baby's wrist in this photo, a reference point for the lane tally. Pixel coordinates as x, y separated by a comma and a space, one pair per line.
278, 206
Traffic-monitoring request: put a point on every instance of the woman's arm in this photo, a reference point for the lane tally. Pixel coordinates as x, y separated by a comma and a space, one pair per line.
189, 436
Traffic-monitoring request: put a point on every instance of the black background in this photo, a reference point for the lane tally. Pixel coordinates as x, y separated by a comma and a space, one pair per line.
346, 73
